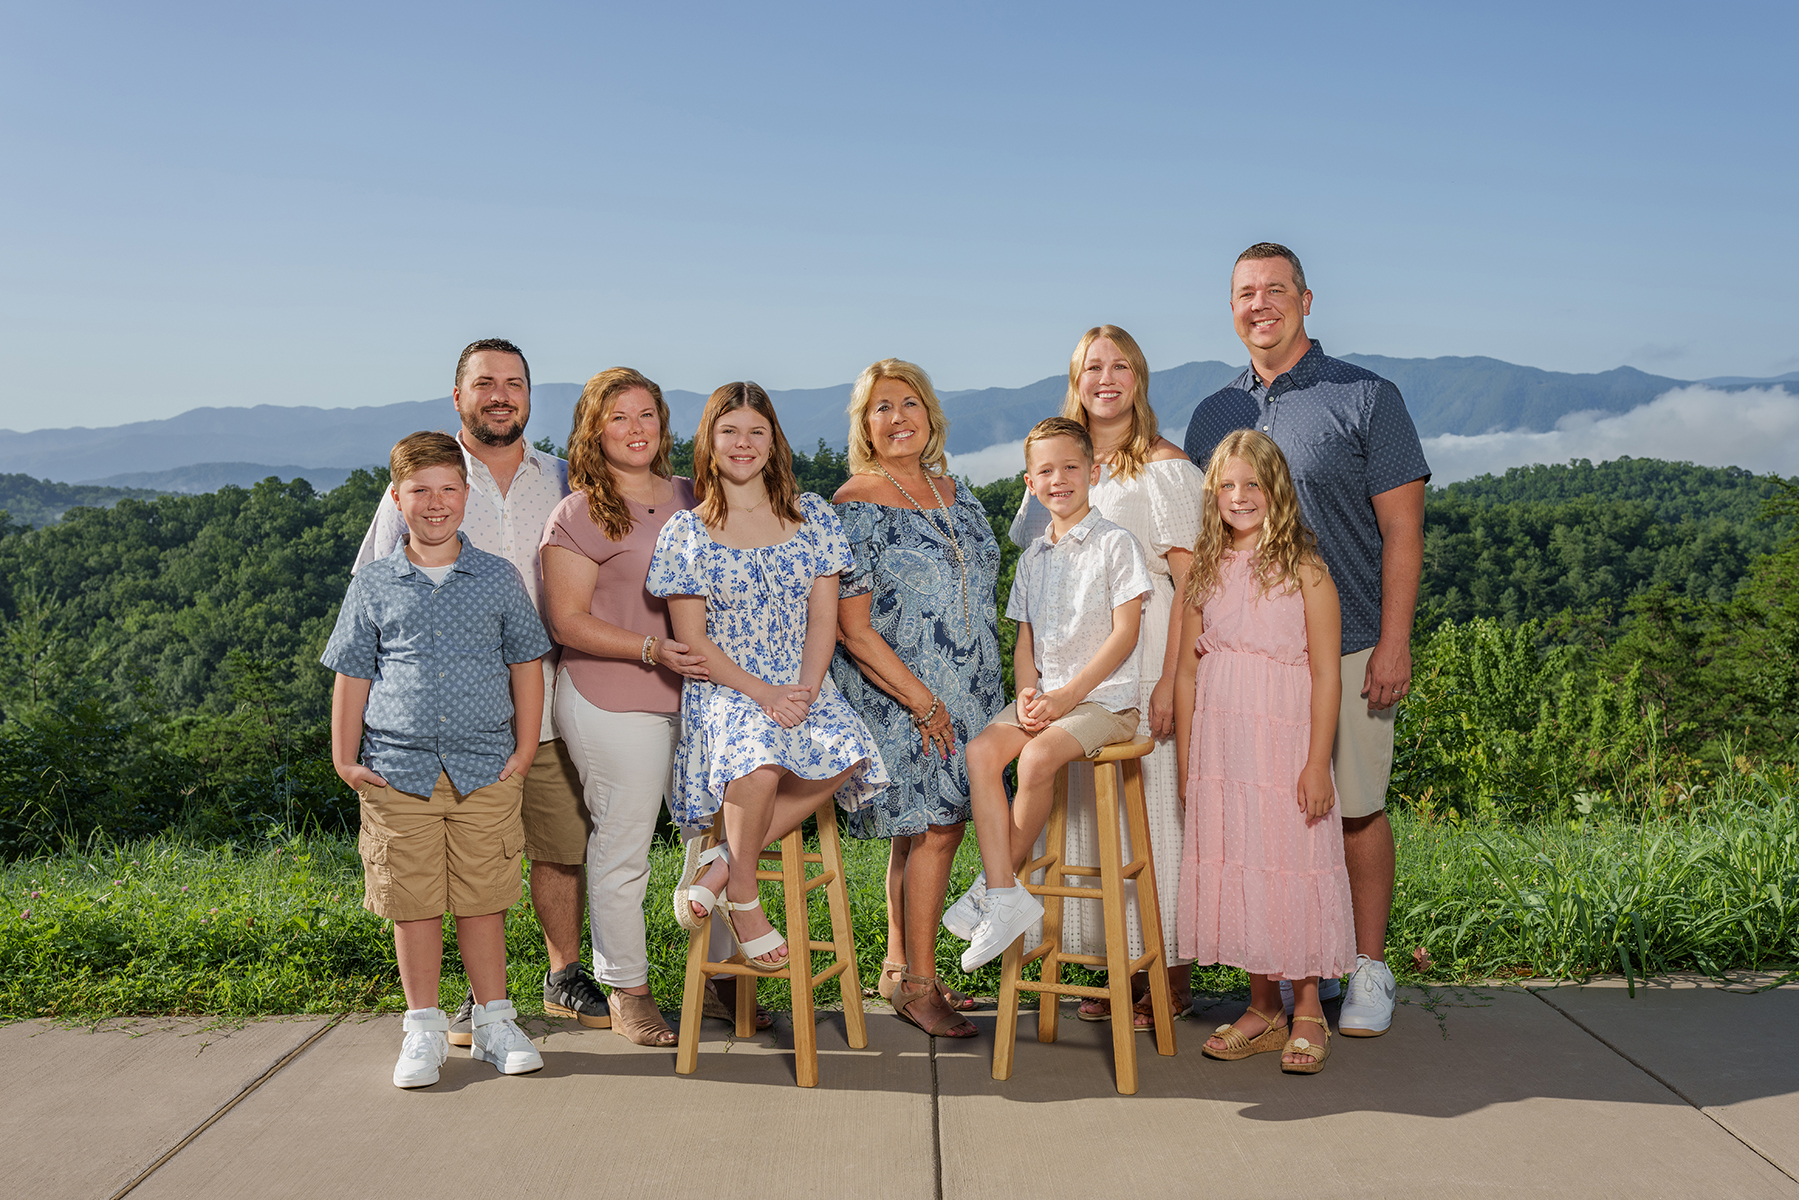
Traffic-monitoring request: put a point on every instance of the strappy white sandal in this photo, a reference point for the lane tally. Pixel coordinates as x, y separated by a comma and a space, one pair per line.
752, 950
695, 860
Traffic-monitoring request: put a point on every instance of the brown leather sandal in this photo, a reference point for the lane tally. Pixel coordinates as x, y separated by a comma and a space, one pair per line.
1237, 1046
890, 978
914, 988
1300, 1045
713, 1004
638, 1019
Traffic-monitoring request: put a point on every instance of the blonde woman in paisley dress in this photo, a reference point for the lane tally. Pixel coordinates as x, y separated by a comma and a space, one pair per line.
1148, 485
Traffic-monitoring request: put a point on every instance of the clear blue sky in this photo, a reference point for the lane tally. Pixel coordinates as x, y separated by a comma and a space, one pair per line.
319, 204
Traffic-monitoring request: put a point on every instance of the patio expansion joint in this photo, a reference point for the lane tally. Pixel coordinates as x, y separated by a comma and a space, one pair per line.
230, 1104
1696, 1106
936, 1127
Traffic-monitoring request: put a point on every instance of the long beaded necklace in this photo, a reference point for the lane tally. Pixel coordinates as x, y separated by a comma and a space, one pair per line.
949, 527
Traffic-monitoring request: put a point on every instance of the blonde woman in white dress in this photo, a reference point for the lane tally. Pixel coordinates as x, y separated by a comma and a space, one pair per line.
1148, 485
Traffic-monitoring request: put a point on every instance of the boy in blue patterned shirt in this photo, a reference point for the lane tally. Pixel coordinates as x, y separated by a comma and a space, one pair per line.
436, 651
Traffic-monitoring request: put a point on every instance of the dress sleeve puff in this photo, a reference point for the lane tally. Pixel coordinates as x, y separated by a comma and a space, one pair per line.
1176, 491
858, 521
675, 567
830, 546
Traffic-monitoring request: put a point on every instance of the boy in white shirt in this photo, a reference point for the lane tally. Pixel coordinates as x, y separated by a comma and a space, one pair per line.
1078, 600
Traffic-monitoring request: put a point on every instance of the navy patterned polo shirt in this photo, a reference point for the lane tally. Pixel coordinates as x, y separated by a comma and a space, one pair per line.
441, 701
1348, 438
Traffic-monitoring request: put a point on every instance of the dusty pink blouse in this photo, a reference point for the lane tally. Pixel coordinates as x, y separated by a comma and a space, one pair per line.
617, 684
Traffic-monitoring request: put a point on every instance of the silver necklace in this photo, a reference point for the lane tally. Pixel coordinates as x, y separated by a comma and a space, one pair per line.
949, 527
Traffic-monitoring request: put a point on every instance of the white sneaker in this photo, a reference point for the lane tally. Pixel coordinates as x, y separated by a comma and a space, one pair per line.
500, 1041
1368, 1006
1006, 914
424, 1049
1329, 988
962, 916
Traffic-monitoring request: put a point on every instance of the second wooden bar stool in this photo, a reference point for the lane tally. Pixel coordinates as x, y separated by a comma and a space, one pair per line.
1117, 769
796, 892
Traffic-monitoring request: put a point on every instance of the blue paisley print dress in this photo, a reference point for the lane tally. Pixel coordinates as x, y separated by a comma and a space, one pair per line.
756, 613
905, 563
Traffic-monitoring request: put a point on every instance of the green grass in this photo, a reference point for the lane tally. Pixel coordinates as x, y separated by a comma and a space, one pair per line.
170, 925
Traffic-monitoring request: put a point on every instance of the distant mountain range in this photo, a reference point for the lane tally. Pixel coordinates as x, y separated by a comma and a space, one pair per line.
205, 448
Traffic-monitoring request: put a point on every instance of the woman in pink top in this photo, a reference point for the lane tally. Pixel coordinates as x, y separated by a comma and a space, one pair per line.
618, 690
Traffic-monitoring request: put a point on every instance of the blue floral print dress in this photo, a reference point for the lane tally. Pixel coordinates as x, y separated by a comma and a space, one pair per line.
905, 561
756, 613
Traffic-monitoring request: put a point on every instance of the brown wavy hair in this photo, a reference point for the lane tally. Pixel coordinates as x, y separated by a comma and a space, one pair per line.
1286, 543
1127, 461
588, 470
777, 473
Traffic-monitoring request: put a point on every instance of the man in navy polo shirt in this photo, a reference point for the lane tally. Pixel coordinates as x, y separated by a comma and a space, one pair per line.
1360, 474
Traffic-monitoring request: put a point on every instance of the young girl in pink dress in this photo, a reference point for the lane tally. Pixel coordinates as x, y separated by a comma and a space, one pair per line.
1262, 883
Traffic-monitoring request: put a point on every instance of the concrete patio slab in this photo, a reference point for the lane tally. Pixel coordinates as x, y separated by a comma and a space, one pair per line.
1478, 1093
603, 1117
87, 1109
1703, 1039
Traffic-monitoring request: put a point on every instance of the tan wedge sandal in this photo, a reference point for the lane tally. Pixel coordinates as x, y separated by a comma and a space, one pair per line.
639, 1020
1237, 1046
1300, 1045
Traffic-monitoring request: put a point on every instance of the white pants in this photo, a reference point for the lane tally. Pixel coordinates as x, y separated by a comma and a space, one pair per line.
624, 760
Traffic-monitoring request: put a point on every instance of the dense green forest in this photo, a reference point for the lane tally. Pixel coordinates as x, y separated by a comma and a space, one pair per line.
34, 502
1583, 630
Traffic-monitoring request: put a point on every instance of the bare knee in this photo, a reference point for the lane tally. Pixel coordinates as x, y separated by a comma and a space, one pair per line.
1039, 762
940, 841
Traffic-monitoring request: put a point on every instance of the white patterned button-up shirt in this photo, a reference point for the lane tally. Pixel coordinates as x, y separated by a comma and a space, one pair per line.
1066, 591
510, 526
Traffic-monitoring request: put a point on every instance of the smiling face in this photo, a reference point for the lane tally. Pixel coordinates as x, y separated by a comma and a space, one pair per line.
1267, 307
742, 440
1241, 504
631, 432
1107, 381
493, 397
899, 424
431, 499
1058, 472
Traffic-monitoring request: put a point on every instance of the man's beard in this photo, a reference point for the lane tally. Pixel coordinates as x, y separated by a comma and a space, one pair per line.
487, 436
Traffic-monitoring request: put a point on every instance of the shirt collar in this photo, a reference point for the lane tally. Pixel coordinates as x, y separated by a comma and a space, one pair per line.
1303, 373
536, 459
404, 566
1078, 533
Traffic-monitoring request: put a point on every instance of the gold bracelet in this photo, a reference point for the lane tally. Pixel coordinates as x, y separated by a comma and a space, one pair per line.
649, 650
921, 722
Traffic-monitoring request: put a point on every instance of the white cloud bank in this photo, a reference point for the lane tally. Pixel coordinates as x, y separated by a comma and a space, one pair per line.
1757, 429
984, 466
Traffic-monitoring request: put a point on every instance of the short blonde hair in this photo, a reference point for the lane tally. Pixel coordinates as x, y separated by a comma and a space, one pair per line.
1128, 461
1055, 427
418, 451
862, 451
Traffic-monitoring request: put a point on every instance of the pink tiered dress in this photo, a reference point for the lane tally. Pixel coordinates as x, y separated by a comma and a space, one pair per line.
1260, 889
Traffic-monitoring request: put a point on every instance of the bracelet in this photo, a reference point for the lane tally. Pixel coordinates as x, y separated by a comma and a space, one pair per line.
649, 650
921, 722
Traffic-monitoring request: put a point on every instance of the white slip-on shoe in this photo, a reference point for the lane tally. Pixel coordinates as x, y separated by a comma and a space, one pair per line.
1368, 1002
962, 916
1006, 915
500, 1041
1329, 988
426, 1045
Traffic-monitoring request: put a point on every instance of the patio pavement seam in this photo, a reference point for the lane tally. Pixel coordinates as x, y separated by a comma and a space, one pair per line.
936, 1125
230, 1104
1696, 1106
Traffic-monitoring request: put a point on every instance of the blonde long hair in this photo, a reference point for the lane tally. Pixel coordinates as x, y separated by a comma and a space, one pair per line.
777, 473
1286, 543
1127, 461
588, 470
863, 460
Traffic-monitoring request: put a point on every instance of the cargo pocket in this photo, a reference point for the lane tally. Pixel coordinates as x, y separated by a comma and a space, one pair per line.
377, 878
512, 842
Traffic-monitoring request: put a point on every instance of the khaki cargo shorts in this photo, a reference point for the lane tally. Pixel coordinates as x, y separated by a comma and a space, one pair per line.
556, 818
1362, 759
1094, 726
424, 856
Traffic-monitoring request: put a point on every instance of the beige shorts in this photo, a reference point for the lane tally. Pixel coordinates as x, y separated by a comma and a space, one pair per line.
556, 819
1362, 760
1094, 726
424, 856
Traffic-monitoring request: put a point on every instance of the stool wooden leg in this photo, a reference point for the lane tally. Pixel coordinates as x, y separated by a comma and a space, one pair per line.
1056, 846
1118, 951
843, 938
1005, 1027
1149, 907
693, 1001
746, 1005
799, 958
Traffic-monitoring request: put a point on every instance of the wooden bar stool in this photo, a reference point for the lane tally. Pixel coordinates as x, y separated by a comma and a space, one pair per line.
1117, 768
796, 891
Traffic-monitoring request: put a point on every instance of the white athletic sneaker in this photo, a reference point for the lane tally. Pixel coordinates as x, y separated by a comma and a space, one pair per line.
962, 916
1006, 913
1368, 1005
500, 1041
1329, 988
426, 1045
